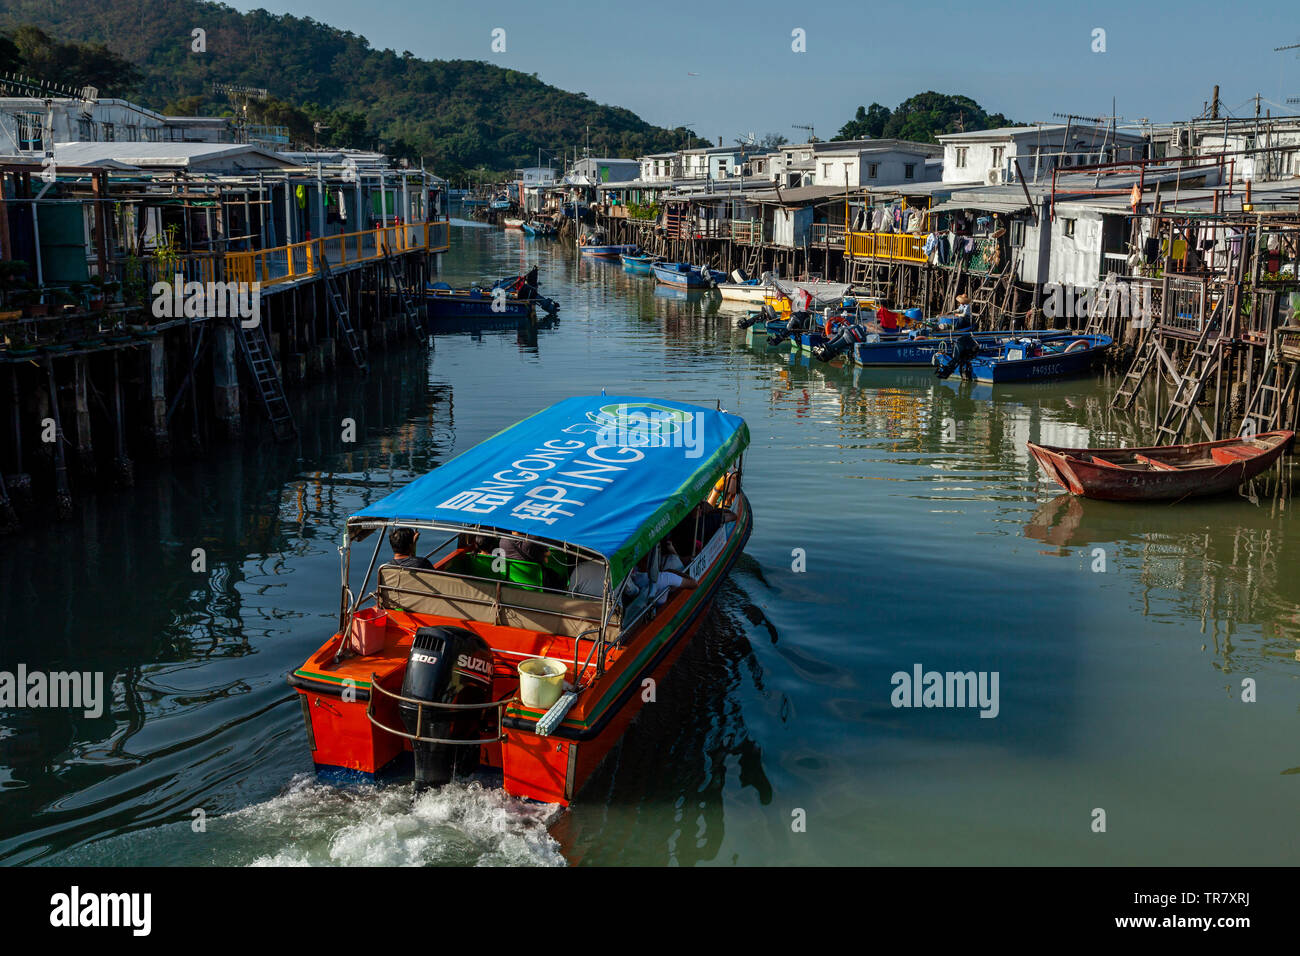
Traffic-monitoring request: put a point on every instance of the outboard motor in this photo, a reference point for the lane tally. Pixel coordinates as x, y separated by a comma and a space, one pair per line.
847, 336
766, 314
447, 665
964, 349
799, 322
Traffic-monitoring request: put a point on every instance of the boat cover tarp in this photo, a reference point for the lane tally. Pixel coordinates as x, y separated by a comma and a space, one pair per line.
608, 474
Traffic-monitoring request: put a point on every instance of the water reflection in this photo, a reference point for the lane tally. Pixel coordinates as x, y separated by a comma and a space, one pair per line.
210, 552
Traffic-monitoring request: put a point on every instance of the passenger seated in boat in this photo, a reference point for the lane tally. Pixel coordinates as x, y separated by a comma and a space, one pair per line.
587, 579
664, 584
707, 519
403, 541
555, 572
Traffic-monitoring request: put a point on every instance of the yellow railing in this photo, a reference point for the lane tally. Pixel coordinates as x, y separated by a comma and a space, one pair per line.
886, 245
302, 259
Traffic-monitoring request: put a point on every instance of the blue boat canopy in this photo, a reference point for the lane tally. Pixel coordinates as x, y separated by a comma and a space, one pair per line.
607, 474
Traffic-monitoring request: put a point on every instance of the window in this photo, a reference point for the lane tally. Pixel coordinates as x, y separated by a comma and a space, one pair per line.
85, 129
997, 156
29, 130
1017, 232
108, 132
1068, 227
872, 169
826, 170
909, 170
961, 157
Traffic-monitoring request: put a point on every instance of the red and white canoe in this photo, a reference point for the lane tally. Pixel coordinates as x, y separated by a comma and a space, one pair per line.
1162, 472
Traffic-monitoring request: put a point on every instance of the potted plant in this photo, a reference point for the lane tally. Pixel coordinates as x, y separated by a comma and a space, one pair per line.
31, 297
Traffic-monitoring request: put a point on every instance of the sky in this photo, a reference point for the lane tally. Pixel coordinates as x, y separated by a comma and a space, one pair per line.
730, 69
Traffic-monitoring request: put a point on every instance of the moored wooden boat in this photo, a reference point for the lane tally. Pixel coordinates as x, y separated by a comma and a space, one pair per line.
681, 275
608, 252
593, 490
1161, 472
640, 264
510, 223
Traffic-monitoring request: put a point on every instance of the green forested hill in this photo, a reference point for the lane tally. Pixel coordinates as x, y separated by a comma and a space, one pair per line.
457, 114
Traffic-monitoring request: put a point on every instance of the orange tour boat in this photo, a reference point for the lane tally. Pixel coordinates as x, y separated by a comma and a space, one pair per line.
575, 554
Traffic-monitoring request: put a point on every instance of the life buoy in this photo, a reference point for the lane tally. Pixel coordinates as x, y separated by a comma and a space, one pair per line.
1078, 345
829, 328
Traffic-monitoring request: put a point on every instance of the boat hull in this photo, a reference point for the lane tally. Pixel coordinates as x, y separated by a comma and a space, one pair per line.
607, 252
677, 279
1053, 365
1075, 470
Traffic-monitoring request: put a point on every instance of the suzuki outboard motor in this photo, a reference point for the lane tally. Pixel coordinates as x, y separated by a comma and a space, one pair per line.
447, 665
964, 349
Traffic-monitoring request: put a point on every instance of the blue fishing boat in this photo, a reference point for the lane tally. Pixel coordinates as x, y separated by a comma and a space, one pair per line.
680, 275
535, 227
509, 300
608, 252
640, 264
1022, 359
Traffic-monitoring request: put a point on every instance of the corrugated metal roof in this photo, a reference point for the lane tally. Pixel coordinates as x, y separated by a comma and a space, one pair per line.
983, 205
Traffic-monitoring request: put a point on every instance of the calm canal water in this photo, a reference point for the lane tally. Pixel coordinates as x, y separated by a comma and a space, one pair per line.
1121, 636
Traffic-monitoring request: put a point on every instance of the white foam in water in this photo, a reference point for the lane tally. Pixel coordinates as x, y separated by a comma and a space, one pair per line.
461, 824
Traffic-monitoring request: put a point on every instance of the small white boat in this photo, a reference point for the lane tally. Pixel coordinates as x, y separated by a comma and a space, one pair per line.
513, 223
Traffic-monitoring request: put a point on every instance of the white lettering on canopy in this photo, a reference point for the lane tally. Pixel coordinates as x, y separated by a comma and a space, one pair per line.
535, 498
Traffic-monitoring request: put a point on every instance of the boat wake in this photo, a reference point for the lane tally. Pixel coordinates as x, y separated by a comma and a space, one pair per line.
461, 824
316, 824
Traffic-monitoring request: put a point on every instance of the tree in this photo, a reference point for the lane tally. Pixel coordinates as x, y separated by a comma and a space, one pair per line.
772, 140
921, 118
867, 123
72, 64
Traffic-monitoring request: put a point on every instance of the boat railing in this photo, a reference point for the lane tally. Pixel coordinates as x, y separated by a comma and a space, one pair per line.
490, 596
378, 690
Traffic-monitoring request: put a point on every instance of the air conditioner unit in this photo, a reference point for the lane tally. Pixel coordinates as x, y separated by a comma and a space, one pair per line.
995, 177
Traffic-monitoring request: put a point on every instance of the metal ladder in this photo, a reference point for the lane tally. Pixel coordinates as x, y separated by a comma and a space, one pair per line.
261, 365
1269, 398
340, 309
389, 275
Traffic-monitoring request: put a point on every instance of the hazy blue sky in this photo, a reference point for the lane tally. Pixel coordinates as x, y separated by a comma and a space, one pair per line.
1024, 59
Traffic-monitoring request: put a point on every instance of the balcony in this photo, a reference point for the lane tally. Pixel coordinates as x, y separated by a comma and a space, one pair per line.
827, 234
301, 260
890, 246
749, 232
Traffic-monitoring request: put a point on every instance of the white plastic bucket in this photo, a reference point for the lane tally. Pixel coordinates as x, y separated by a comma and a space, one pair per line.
541, 682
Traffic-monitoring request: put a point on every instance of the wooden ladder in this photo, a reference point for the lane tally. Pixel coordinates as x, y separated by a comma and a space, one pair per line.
1275, 385
1191, 383
266, 377
340, 309
1144, 359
